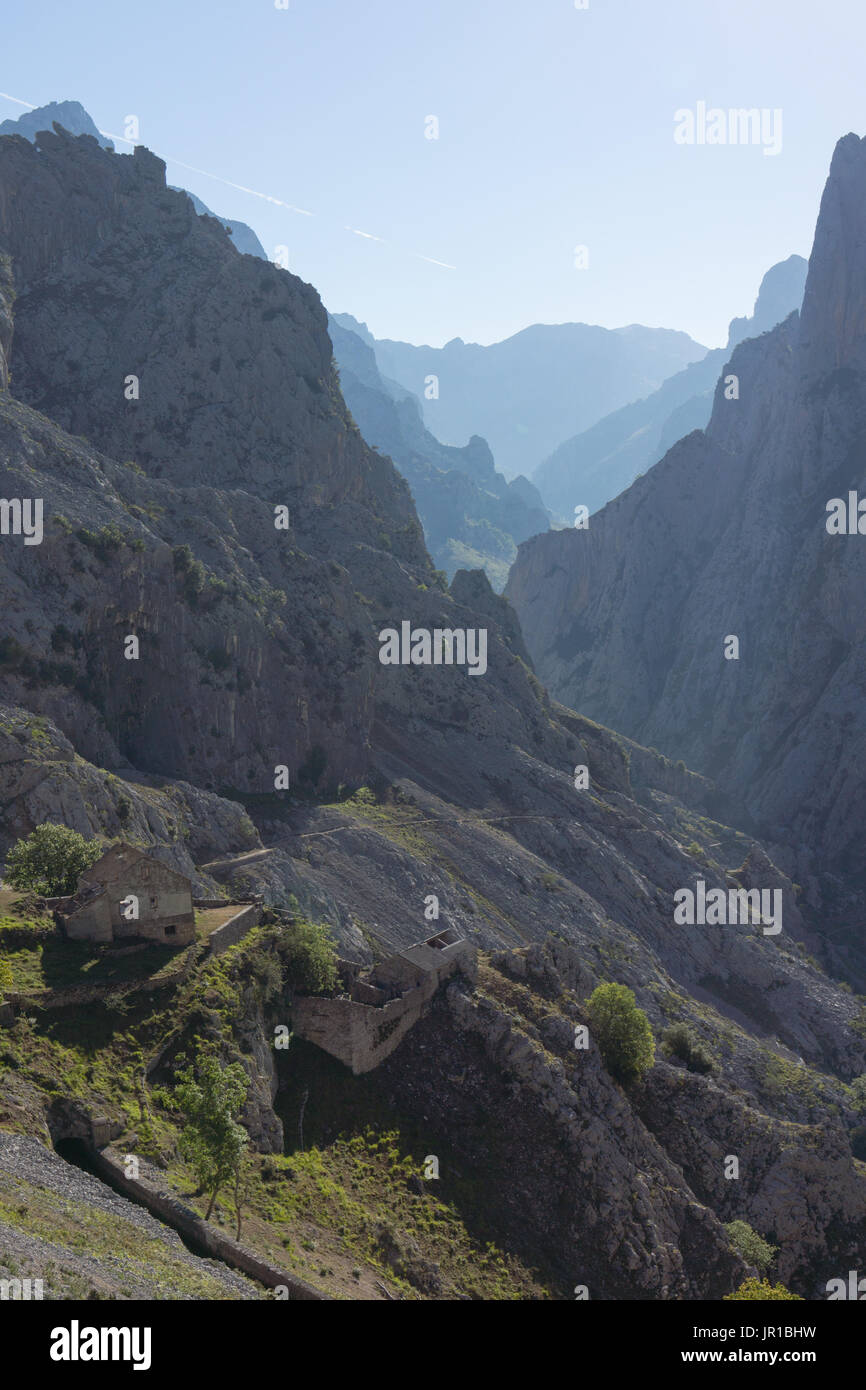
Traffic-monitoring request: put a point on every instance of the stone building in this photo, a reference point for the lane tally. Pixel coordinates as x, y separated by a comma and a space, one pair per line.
127, 895
381, 1002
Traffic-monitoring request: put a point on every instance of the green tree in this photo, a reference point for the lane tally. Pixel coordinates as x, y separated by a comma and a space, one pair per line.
753, 1248
212, 1141
308, 956
621, 1030
761, 1289
50, 859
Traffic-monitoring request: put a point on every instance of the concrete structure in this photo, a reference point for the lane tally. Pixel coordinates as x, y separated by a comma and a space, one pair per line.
381, 1002
128, 895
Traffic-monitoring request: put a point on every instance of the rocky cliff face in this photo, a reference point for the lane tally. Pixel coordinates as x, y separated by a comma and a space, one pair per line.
6, 300
727, 537
259, 647
594, 466
72, 117
238, 413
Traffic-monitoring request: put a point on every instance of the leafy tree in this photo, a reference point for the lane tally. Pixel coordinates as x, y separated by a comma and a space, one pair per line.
621, 1030
212, 1142
753, 1248
308, 956
761, 1289
50, 859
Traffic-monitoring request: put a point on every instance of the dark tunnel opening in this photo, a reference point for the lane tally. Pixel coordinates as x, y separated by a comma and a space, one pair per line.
83, 1155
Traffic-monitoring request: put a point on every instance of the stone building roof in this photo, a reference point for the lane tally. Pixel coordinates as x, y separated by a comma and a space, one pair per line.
119, 858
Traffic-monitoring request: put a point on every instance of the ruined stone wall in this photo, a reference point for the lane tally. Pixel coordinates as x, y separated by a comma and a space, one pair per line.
234, 929
361, 1035
91, 923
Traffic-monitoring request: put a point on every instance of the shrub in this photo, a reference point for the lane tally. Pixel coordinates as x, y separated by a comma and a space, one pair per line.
680, 1041
858, 1094
761, 1289
190, 571
104, 542
50, 860
621, 1030
858, 1142
308, 956
753, 1248
5, 977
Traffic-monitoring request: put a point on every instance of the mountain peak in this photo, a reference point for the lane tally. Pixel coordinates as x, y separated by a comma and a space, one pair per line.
69, 114
834, 302
780, 290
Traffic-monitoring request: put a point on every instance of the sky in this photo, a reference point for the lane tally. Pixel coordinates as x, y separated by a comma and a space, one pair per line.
556, 130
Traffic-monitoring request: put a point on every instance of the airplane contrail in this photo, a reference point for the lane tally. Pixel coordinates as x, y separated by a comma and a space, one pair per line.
254, 193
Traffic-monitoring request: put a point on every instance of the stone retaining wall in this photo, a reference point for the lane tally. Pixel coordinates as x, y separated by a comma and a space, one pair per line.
232, 931
93, 994
109, 1165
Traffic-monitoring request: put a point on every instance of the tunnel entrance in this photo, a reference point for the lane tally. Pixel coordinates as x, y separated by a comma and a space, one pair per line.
81, 1154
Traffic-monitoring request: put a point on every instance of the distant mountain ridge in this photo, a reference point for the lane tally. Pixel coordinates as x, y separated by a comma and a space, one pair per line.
70, 114
472, 517
598, 464
540, 386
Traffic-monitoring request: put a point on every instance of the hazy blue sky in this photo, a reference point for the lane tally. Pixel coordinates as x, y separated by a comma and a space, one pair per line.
555, 130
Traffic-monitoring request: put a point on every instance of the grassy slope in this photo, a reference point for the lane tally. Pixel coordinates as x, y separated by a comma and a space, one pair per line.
344, 1214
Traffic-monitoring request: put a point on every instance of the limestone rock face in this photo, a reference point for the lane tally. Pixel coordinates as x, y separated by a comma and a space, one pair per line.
235, 383
727, 536
572, 1178
596, 465
6, 298
794, 1183
42, 779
